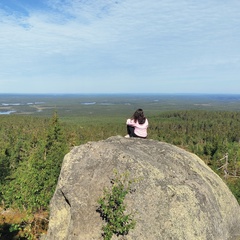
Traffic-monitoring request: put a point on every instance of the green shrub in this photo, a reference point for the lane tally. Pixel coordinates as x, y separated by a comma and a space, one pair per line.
112, 208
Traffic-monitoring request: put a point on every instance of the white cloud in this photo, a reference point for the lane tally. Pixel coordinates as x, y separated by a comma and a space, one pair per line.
119, 40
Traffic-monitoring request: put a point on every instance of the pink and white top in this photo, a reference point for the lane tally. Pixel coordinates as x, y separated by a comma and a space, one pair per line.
139, 129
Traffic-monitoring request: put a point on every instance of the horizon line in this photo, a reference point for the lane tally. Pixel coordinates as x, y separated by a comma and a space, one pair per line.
114, 93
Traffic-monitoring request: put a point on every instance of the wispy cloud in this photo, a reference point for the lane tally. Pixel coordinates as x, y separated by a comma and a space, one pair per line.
117, 40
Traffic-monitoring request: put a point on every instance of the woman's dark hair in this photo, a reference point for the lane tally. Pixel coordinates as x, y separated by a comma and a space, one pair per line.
139, 116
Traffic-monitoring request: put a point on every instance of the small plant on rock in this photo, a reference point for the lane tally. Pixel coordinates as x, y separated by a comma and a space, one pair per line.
112, 208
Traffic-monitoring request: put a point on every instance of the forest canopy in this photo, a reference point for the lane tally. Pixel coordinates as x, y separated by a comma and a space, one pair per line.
32, 148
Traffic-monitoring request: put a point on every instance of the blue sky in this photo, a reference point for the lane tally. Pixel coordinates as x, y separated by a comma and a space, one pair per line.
119, 46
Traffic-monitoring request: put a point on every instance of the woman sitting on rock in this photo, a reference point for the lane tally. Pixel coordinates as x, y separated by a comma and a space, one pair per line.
137, 125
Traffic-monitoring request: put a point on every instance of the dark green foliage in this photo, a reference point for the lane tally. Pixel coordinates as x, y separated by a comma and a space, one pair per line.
32, 148
34, 165
113, 210
234, 186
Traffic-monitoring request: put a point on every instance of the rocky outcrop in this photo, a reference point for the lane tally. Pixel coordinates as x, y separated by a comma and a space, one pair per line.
179, 197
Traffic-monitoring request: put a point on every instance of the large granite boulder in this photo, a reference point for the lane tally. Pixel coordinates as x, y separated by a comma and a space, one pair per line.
179, 197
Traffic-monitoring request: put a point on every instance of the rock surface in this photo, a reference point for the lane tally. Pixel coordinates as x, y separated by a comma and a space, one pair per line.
179, 197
